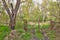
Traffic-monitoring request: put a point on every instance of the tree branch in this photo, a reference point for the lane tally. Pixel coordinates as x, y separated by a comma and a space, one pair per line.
17, 6
6, 7
55, 16
22, 2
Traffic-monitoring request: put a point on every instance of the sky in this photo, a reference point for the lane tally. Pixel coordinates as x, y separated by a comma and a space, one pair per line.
37, 1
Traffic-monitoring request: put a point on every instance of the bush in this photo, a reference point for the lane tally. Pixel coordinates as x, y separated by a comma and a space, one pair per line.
45, 26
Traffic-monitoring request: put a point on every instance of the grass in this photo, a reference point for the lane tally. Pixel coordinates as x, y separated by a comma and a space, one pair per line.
4, 31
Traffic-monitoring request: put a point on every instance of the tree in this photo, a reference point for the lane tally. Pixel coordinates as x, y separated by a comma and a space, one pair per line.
3, 16
44, 8
12, 14
25, 13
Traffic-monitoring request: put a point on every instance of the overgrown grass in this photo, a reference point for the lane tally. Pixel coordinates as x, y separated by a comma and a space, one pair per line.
4, 31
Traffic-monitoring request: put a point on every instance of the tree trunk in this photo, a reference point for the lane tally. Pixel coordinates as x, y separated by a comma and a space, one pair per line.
52, 25
38, 25
12, 22
25, 25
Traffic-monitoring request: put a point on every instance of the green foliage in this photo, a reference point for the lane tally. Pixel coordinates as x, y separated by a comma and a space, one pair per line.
52, 35
45, 26
19, 24
31, 12
26, 36
39, 35
54, 11
4, 31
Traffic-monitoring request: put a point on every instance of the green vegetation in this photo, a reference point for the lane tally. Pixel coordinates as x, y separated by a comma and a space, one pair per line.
33, 20
4, 31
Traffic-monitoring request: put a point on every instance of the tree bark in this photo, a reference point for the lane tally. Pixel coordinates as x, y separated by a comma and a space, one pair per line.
52, 25
25, 25
13, 14
38, 25
12, 22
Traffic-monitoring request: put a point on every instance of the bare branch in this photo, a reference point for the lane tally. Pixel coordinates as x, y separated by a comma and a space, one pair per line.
17, 6
6, 7
22, 2
55, 16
